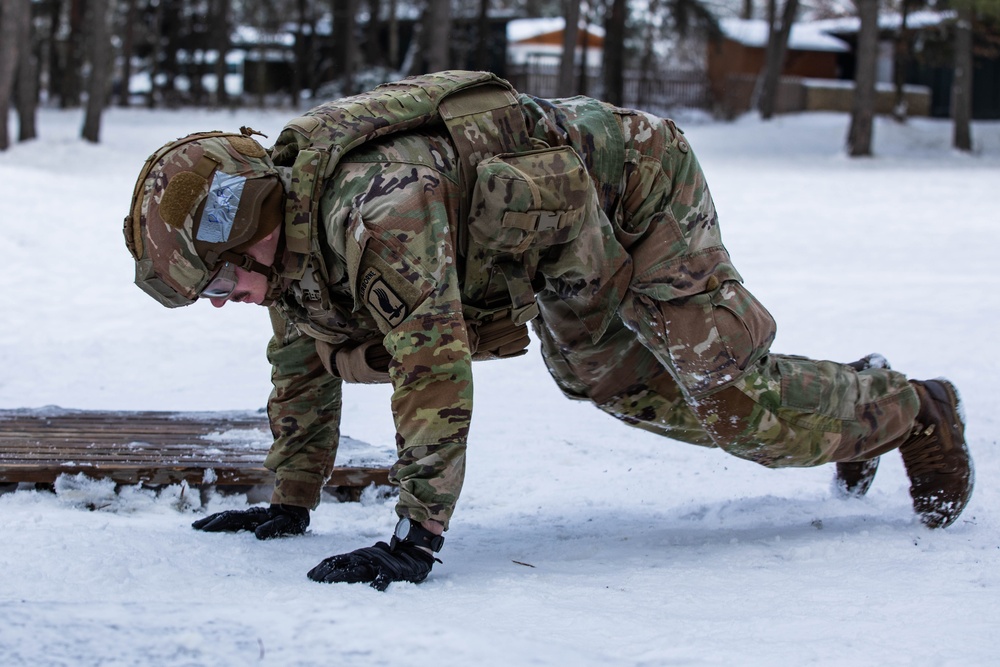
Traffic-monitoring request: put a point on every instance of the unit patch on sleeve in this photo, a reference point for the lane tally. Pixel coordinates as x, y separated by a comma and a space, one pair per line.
389, 286
382, 299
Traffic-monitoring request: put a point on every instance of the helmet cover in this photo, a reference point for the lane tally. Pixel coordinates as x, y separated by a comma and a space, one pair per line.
196, 197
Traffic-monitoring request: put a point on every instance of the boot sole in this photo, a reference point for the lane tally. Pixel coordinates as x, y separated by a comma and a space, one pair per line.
946, 395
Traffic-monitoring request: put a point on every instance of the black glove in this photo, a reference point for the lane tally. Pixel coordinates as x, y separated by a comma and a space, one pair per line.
378, 566
266, 523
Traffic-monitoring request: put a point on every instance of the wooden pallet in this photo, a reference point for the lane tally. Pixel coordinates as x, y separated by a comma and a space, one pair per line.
151, 448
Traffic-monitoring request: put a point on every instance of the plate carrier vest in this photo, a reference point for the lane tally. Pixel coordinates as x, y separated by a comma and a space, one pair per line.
483, 118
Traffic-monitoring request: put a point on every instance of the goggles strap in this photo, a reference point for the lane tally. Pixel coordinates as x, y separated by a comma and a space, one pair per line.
246, 262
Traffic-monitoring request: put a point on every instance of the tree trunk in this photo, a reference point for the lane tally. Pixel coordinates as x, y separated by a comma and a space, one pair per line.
393, 35
10, 21
961, 92
900, 61
27, 77
299, 49
374, 51
614, 53
345, 43
747, 12
169, 20
646, 65
566, 84
100, 67
220, 44
859, 136
53, 59
72, 76
777, 47
437, 29
483, 36
155, 54
128, 42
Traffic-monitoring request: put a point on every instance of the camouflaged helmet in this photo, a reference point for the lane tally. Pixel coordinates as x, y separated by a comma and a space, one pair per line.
197, 200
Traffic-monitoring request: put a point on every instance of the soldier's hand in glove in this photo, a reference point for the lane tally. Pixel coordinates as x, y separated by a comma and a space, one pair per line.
265, 522
377, 566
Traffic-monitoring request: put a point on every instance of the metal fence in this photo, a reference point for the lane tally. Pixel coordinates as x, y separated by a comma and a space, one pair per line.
650, 91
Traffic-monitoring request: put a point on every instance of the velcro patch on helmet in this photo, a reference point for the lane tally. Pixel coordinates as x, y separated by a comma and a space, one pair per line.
247, 146
179, 200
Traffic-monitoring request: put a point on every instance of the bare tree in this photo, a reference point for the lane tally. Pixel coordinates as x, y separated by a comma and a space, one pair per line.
774, 61
220, 12
345, 43
99, 49
374, 52
128, 48
900, 61
483, 35
393, 34
27, 77
581, 87
614, 52
571, 36
304, 52
961, 91
437, 30
10, 22
859, 136
156, 48
72, 71
647, 63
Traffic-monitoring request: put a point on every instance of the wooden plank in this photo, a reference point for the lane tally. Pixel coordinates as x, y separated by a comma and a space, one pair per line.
195, 476
153, 448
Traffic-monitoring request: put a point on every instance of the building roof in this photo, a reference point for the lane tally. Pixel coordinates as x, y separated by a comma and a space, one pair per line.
850, 25
520, 30
803, 36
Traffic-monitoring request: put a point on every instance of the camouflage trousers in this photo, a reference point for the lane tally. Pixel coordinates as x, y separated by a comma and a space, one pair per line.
688, 354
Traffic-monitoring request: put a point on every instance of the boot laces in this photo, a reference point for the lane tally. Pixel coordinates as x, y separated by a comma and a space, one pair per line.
924, 452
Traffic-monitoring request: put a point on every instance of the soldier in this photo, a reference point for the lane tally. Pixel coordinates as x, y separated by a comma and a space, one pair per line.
398, 235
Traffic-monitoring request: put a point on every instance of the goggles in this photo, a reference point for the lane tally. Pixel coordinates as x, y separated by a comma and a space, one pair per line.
222, 284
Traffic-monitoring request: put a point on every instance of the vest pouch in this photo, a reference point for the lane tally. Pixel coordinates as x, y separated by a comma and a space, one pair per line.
528, 201
497, 339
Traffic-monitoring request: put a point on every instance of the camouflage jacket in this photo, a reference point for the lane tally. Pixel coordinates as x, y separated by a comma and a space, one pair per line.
399, 264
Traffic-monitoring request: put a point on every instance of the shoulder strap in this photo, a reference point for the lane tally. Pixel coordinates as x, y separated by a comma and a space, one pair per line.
313, 144
483, 121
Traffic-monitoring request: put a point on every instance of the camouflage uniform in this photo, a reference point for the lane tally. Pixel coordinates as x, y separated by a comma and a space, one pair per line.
639, 309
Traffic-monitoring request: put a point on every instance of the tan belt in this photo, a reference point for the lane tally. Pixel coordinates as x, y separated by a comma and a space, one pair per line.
368, 362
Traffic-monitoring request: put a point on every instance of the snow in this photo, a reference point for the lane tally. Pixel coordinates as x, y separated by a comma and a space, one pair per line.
802, 37
519, 30
577, 540
847, 25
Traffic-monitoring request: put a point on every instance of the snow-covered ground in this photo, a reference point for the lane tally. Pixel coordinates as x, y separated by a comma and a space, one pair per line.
578, 541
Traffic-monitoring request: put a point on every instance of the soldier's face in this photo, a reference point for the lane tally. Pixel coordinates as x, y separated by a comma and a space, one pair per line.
251, 287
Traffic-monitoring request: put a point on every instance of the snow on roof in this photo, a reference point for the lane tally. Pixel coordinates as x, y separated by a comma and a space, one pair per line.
245, 34
851, 24
803, 37
521, 29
